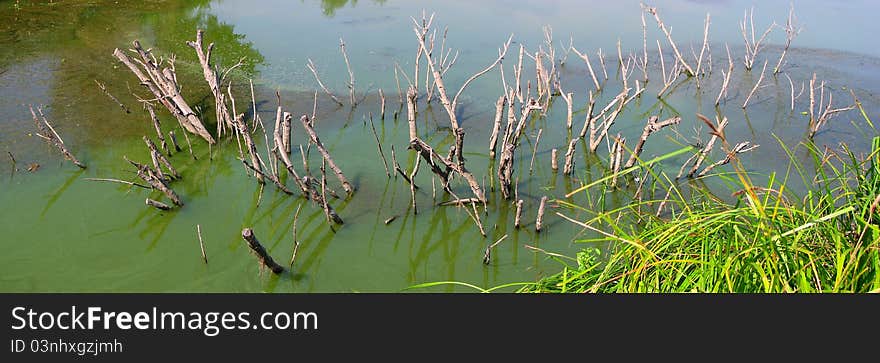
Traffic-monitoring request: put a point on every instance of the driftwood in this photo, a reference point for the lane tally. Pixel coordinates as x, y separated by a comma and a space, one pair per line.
450, 104
399, 170
792, 29
214, 80
518, 217
251, 148
47, 132
156, 126
753, 46
554, 165
596, 136
379, 144
586, 59
499, 113
740, 148
158, 157
726, 75
568, 167
163, 84
460, 201
116, 181
651, 127
510, 143
350, 85
112, 97
306, 183
307, 124
535, 150
148, 175
825, 111
757, 84
285, 131
382, 104
412, 185
717, 132
272, 177
257, 248
311, 67
434, 159
653, 11
202, 243
539, 221
487, 256
616, 155
157, 204
174, 141
295, 240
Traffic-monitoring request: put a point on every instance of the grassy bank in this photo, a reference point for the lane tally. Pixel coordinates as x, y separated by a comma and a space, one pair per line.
765, 240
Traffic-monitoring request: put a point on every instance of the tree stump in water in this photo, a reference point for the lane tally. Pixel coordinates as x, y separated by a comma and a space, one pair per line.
265, 259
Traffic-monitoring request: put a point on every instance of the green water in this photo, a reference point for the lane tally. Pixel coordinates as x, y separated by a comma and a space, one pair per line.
60, 232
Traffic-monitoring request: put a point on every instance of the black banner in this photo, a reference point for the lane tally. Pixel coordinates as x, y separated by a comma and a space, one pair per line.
135, 327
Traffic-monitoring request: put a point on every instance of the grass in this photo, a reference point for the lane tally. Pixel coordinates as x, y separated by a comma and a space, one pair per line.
764, 240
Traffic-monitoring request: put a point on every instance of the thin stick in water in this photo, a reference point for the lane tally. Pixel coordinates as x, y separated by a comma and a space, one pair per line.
202, 244
379, 144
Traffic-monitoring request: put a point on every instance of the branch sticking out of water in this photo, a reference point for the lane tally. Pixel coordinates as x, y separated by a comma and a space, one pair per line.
48, 133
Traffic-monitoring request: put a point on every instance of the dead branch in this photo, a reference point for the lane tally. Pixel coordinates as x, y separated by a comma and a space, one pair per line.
510, 143
157, 204
717, 132
653, 11
311, 67
450, 104
432, 157
539, 221
651, 127
251, 148
379, 144
119, 181
586, 59
106, 92
487, 256
156, 126
757, 84
518, 216
827, 111
48, 133
163, 84
257, 248
158, 157
148, 175
326, 154
213, 78
616, 155
568, 167
535, 151
752, 46
726, 75
792, 29
499, 113
174, 141
201, 243
740, 148
350, 74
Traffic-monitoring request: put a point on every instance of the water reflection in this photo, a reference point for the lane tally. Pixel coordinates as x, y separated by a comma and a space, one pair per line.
79, 37
329, 7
